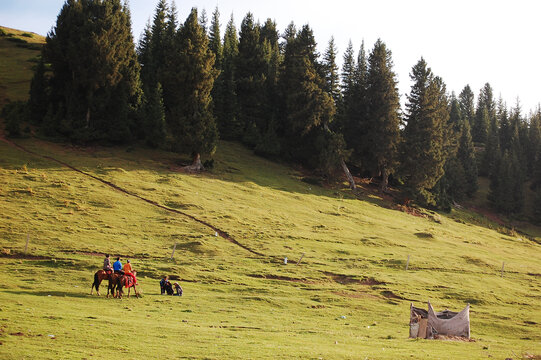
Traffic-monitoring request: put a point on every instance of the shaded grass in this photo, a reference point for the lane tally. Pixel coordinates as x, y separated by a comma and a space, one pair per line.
18, 56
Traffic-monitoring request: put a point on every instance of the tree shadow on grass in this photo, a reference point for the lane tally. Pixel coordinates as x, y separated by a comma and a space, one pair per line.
50, 293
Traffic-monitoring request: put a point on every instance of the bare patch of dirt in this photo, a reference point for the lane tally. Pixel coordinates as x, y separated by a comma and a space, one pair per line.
282, 278
88, 253
355, 295
23, 256
17, 334
391, 295
409, 210
348, 280
488, 214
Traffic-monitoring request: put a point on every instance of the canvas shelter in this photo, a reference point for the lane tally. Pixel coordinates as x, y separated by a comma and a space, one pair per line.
426, 324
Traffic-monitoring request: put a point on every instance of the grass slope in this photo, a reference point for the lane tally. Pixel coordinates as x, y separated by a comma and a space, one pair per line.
349, 297
18, 55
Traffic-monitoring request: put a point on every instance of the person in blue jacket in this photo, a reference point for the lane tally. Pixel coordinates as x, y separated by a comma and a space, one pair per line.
117, 266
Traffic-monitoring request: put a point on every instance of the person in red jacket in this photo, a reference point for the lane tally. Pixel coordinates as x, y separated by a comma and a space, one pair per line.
128, 270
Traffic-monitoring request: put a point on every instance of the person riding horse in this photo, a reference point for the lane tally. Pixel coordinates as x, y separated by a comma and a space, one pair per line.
107, 264
128, 270
117, 267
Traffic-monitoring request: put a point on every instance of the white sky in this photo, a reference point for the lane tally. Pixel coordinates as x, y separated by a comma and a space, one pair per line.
464, 42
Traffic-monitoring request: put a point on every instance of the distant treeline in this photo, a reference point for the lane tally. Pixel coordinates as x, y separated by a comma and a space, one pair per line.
185, 85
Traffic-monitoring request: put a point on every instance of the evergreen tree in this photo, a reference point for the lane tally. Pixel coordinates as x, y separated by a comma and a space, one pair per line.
486, 99
270, 129
452, 185
215, 45
38, 100
424, 144
309, 108
153, 47
348, 75
203, 21
229, 123
345, 107
144, 54
215, 41
95, 73
190, 119
353, 114
480, 125
155, 118
515, 136
492, 150
383, 112
505, 131
466, 100
485, 113
506, 188
534, 140
332, 81
536, 175
537, 206
250, 80
466, 156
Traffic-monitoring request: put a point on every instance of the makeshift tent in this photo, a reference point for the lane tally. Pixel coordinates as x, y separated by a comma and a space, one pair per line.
426, 324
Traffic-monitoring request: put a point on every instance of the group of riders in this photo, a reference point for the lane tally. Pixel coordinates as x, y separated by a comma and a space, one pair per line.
124, 276
117, 268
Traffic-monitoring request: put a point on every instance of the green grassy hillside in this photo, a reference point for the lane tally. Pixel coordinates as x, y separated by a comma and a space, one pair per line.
348, 298
18, 55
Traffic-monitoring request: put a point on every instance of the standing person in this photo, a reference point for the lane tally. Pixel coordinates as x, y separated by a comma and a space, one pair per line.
163, 282
107, 264
117, 267
128, 270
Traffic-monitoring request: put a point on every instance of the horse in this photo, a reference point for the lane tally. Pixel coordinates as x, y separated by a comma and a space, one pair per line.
101, 275
126, 281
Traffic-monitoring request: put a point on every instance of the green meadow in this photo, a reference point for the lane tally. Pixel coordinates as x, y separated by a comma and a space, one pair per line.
349, 296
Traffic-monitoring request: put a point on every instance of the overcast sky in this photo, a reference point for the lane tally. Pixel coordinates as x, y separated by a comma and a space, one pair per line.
463, 41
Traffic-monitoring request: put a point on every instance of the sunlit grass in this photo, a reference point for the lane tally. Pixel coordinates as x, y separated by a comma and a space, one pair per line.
238, 304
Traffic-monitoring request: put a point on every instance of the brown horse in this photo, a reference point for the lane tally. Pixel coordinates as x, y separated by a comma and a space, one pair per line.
101, 275
127, 282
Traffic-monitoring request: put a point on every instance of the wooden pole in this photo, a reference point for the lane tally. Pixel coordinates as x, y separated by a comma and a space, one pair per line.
408, 263
503, 265
298, 262
173, 253
26, 246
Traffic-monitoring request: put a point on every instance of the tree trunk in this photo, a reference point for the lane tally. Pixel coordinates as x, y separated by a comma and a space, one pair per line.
384, 179
87, 117
348, 175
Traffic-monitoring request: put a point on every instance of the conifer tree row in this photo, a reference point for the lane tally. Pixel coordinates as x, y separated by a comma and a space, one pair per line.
186, 85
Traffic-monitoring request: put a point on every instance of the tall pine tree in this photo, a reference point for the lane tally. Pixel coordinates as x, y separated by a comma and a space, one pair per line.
190, 118
250, 80
467, 105
424, 153
383, 108
229, 122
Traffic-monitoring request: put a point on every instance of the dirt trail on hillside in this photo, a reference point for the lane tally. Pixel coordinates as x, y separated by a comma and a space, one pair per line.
220, 232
